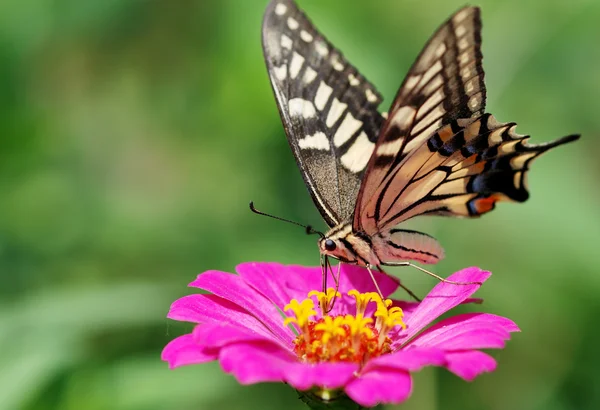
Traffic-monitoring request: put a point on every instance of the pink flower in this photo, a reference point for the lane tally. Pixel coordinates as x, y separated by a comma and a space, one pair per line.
364, 346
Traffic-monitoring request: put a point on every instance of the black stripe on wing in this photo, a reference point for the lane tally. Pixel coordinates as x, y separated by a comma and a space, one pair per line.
328, 109
445, 83
462, 170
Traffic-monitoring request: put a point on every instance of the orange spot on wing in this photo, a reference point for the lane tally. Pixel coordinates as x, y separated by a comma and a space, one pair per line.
484, 205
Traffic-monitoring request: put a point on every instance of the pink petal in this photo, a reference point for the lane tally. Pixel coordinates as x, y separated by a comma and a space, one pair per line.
299, 280
183, 351
408, 307
470, 364
442, 298
380, 386
256, 362
213, 309
214, 335
271, 280
331, 375
263, 362
234, 289
357, 277
467, 331
410, 360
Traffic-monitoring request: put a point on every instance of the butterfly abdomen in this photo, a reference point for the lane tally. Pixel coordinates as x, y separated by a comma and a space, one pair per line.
405, 245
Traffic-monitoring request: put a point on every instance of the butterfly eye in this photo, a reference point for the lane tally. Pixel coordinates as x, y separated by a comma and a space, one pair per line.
329, 245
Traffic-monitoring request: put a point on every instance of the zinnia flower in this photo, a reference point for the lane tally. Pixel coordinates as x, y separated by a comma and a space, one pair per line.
364, 346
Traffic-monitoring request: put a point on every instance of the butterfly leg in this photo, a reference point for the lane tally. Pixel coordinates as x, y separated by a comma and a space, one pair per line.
337, 287
375, 282
412, 265
326, 269
407, 290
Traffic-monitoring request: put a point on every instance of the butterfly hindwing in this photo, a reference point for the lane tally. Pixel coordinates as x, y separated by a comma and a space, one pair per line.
462, 170
329, 110
445, 83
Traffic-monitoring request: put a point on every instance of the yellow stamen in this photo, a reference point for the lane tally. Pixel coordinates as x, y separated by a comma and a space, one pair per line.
331, 327
348, 338
303, 311
325, 298
362, 300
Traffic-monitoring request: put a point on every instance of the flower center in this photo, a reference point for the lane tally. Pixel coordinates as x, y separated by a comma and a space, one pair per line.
342, 338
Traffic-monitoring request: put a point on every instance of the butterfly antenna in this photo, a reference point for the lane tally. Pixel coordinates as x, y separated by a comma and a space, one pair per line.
309, 229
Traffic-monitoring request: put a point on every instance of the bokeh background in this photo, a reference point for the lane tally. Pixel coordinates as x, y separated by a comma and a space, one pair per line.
134, 133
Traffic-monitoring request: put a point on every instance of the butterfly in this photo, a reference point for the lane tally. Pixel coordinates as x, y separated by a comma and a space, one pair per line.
436, 152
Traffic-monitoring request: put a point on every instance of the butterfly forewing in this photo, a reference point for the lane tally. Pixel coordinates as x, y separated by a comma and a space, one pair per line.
445, 83
329, 110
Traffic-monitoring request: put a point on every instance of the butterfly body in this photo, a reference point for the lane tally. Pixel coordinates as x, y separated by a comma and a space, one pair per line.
360, 248
436, 151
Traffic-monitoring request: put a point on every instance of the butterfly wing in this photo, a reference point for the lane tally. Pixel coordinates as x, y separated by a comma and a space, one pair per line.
462, 170
438, 153
328, 109
445, 83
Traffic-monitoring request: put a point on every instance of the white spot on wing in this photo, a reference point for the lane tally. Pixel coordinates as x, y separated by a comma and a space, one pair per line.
280, 72
318, 141
463, 44
306, 36
470, 85
384, 115
337, 108
467, 71
296, 64
280, 9
353, 80
309, 75
357, 156
321, 48
300, 107
475, 102
337, 65
465, 57
292, 23
286, 42
371, 97
347, 129
323, 93
404, 117
460, 30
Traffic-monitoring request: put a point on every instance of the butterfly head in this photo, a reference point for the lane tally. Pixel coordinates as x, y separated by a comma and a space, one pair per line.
337, 249
345, 245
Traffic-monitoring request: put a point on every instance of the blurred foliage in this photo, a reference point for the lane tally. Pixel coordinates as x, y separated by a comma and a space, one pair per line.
134, 134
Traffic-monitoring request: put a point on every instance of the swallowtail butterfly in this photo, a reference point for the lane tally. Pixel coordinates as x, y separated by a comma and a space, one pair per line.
437, 152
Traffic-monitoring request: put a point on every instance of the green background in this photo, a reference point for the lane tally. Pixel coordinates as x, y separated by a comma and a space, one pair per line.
134, 134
